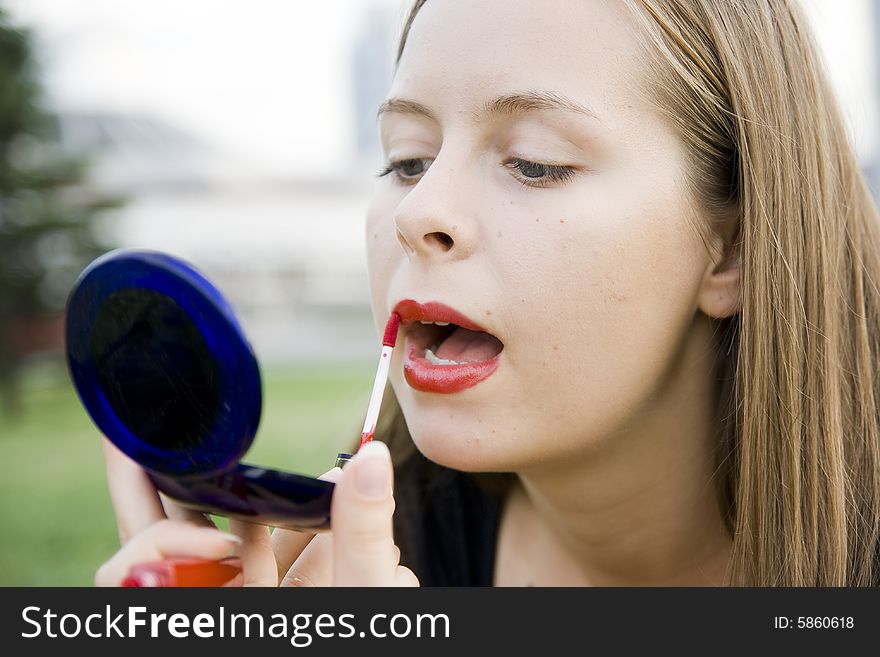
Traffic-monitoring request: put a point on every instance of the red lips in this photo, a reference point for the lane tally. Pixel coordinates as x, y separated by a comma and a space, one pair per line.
420, 373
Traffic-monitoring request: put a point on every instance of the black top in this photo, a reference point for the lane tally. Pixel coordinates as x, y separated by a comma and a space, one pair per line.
445, 524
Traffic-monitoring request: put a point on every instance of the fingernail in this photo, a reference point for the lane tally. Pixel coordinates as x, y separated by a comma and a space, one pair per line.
372, 477
227, 536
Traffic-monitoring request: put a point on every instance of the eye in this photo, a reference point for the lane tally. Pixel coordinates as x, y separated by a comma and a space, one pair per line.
536, 174
406, 171
532, 174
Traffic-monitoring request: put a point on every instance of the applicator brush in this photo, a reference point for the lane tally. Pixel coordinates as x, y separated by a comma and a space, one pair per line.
388, 342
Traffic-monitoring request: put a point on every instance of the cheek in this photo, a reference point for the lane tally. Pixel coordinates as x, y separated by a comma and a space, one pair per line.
606, 299
590, 276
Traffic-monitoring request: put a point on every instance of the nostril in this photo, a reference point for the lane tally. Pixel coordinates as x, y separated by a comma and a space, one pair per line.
445, 240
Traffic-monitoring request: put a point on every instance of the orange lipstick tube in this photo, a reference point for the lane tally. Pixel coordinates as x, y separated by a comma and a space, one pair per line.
183, 572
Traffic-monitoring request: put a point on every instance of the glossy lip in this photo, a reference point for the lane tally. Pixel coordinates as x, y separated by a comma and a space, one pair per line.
433, 311
423, 375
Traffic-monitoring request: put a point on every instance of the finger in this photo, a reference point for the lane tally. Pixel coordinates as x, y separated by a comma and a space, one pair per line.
236, 581
363, 543
136, 503
288, 544
176, 511
314, 567
164, 539
405, 577
255, 551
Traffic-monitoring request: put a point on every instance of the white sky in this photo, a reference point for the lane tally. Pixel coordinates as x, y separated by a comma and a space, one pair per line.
845, 31
239, 73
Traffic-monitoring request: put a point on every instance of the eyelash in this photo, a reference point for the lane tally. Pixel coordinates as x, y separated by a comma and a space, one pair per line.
553, 172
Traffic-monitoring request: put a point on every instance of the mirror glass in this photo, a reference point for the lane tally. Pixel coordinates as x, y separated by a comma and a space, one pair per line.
155, 369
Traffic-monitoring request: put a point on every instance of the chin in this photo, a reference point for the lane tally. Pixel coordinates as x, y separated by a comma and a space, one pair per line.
456, 432
458, 449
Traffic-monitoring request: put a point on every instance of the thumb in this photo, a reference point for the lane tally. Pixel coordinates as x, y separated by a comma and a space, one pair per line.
362, 506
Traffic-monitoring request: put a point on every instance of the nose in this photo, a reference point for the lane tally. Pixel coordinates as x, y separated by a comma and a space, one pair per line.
435, 221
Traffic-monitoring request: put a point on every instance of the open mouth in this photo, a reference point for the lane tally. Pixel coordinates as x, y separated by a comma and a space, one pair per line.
448, 344
445, 351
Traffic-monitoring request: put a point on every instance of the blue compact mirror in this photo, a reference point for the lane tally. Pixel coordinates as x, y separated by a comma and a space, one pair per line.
162, 366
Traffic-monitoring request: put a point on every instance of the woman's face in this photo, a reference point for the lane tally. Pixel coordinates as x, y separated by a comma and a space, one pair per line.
587, 271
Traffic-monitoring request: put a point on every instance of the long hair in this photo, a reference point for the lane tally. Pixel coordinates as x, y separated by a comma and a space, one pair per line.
798, 455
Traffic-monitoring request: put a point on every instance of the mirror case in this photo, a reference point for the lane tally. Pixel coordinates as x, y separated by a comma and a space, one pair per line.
165, 371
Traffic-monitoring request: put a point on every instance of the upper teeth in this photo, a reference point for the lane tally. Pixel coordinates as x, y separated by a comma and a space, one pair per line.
437, 323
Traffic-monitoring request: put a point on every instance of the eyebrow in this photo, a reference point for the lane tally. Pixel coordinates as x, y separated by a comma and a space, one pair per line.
508, 104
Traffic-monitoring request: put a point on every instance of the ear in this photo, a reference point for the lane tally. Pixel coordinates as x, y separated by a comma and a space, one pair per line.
721, 291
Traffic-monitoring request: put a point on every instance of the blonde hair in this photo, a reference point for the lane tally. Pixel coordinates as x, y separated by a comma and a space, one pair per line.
799, 436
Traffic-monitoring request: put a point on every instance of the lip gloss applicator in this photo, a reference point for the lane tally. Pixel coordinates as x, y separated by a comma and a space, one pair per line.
389, 340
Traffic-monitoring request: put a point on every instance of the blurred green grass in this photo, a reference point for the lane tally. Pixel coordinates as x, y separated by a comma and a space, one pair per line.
55, 511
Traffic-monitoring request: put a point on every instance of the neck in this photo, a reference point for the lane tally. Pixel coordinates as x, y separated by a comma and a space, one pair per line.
642, 509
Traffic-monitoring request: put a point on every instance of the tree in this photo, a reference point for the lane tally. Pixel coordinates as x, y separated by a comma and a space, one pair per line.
47, 214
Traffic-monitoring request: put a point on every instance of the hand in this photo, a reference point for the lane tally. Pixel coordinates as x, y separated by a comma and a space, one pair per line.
360, 551
152, 527
363, 553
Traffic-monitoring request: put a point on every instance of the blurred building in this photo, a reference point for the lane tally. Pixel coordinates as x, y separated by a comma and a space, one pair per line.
288, 253
371, 67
